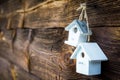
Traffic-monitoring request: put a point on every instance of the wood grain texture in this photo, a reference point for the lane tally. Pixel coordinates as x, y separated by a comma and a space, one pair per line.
47, 53
17, 58
3, 23
10, 6
50, 57
44, 15
5, 70
15, 48
19, 73
35, 14
38, 14
109, 40
103, 13
46, 56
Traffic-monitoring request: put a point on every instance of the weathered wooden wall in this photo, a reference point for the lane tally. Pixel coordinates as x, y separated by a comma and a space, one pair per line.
43, 54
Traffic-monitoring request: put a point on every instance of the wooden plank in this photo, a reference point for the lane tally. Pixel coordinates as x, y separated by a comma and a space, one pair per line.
56, 13
109, 41
3, 23
104, 6
32, 3
13, 21
46, 54
50, 57
10, 6
9, 71
47, 38
103, 13
5, 70
17, 21
15, 48
17, 58
23, 75
37, 15
8, 11
109, 20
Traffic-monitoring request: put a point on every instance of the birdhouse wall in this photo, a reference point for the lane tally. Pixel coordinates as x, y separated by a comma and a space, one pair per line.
82, 63
94, 67
82, 66
73, 37
83, 38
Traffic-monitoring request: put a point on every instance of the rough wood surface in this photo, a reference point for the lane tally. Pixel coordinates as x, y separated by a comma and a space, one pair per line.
39, 14
104, 13
43, 55
5, 70
109, 40
9, 71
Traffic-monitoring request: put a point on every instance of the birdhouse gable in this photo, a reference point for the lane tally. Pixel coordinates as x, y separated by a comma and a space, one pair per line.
79, 52
80, 25
91, 50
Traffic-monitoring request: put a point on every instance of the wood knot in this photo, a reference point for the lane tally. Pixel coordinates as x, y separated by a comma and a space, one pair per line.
67, 59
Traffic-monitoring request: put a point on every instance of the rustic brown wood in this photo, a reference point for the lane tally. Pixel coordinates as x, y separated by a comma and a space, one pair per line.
5, 70
108, 39
32, 13
44, 56
18, 55
36, 18
50, 57
17, 58
19, 74
3, 23
10, 6
23, 75
103, 13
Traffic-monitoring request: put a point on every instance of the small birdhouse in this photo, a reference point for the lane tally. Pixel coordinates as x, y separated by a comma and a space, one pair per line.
78, 32
88, 58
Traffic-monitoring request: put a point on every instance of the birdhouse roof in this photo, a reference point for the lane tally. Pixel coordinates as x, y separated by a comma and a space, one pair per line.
92, 50
80, 24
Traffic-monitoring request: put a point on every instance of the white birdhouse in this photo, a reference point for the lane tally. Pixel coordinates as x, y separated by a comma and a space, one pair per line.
88, 58
78, 32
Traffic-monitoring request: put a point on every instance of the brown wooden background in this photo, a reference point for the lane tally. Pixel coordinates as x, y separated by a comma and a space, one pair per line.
43, 54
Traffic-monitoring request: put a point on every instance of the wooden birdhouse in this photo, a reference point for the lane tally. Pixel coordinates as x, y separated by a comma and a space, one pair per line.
78, 32
88, 58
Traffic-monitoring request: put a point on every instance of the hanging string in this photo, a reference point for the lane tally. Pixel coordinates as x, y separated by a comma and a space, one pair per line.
83, 17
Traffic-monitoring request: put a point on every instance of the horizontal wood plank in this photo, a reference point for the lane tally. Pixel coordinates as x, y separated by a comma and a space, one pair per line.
109, 40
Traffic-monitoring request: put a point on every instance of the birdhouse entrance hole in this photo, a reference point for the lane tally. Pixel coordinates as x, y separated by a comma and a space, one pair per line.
75, 30
83, 55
